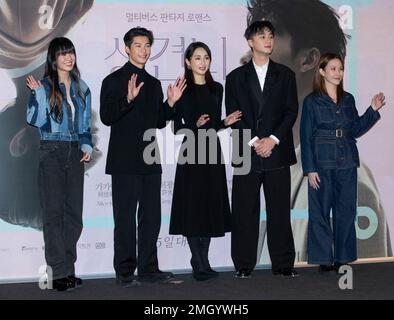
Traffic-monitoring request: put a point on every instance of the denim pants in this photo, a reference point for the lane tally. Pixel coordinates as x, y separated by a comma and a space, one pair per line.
333, 241
61, 177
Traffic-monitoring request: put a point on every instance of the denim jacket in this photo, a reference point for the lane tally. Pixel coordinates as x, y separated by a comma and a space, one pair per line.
329, 132
38, 115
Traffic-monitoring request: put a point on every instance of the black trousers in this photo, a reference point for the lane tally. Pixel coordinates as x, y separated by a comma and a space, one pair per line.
246, 218
127, 192
61, 177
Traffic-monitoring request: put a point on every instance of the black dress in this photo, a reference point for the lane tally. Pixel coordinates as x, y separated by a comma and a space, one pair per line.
200, 204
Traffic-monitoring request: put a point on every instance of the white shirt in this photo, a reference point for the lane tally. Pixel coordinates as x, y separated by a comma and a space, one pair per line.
261, 75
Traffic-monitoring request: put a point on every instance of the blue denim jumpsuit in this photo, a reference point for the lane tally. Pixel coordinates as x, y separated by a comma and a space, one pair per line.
328, 147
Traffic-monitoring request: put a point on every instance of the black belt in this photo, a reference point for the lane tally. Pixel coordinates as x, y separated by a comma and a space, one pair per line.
337, 133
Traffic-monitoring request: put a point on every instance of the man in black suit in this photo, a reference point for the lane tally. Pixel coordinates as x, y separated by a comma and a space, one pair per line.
266, 94
131, 102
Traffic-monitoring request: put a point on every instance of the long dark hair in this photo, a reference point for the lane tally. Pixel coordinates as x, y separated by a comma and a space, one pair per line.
189, 73
60, 46
319, 86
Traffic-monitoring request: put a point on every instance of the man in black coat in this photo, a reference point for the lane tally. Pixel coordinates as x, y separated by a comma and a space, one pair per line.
131, 103
266, 94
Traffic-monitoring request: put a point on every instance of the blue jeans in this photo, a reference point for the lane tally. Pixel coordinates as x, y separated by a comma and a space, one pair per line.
61, 176
336, 243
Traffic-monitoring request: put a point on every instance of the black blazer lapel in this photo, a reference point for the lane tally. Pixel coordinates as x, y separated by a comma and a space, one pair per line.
254, 88
270, 80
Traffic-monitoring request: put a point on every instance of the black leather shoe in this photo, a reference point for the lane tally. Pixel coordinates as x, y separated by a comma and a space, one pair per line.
127, 280
323, 269
77, 281
243, 274
158, 276
212, 273
286, 273
63, 284
201, 276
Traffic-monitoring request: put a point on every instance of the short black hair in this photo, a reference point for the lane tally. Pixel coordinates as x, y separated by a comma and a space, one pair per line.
257, 27
135, 32
310, 23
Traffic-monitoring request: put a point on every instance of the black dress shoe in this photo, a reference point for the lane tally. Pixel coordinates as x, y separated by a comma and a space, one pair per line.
127, 280
323, 269
77, 281
286, 273
201, 276
157, 276
243, 274
212, 273
164, 275
63, 284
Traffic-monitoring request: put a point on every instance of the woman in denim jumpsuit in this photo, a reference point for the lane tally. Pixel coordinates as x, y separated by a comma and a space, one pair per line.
60, 107
330, 125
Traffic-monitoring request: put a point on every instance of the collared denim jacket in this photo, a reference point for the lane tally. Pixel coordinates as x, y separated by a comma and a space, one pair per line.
38, 115
329, 132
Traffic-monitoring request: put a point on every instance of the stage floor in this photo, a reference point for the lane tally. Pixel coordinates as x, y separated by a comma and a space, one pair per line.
370, 281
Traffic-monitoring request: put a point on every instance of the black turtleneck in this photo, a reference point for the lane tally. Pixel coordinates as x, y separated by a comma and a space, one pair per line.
129, 121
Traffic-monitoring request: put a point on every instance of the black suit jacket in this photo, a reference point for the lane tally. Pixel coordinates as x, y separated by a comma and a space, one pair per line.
129, 121
271, 111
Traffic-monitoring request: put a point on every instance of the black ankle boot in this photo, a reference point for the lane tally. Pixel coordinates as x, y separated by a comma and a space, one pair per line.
205, 242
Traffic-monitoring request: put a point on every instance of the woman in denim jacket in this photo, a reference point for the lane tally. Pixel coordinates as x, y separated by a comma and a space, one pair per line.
60, 107
330, 125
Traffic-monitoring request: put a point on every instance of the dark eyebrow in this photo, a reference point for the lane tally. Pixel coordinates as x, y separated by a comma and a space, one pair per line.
141, 43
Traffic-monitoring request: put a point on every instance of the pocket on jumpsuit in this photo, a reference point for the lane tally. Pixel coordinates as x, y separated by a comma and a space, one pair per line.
325, 151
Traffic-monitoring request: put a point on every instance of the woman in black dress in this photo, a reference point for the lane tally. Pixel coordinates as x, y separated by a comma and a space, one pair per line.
200, 206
